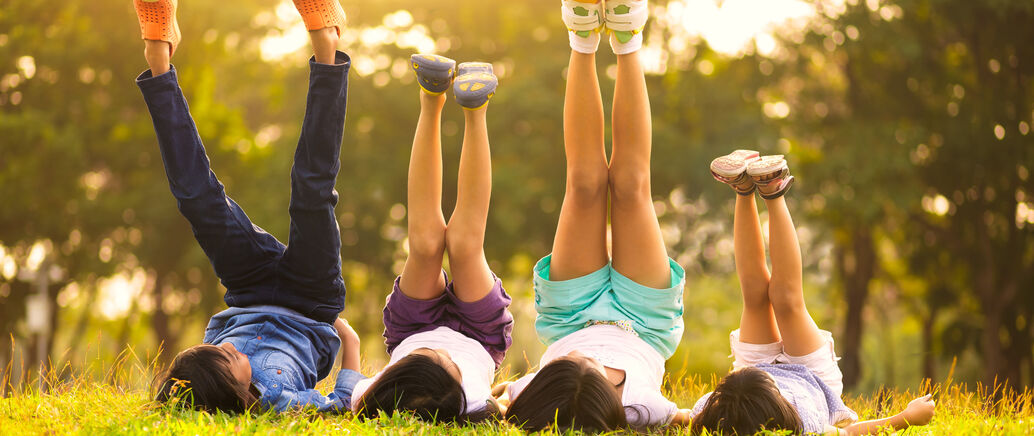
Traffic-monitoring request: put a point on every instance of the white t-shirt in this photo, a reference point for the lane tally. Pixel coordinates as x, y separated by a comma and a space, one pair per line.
645, 406
476, 366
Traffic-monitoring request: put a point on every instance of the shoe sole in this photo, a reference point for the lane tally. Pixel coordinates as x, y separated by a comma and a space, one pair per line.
767, 168
728, 167
474, 90
434, 73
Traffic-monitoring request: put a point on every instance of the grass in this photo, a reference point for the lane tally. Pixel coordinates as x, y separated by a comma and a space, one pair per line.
119, 404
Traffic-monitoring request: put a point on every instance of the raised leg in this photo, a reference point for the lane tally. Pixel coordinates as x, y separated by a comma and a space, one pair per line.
465, 234
242, 255
757, 323
639, 251
311, 265
800, 334
580, 245
422, 275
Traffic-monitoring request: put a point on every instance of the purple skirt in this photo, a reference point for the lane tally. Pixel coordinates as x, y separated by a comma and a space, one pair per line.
487, 320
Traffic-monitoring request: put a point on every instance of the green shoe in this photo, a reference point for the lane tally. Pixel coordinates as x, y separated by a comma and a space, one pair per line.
582, 18
434, 73
626, 18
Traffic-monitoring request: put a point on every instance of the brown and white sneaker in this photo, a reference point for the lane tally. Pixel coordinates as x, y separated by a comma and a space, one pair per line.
731, 169
771, 175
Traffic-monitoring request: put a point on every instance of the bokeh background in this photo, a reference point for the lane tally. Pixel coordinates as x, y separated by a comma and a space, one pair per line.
906, 122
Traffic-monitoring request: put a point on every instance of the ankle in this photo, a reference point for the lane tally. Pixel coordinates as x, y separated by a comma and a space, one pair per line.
324, 44
430, 101
476, 115
157, 54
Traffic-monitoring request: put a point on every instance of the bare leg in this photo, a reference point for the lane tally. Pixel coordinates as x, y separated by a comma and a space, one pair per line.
157, 55
758, 323
422, 275
580, 245
465, 235
800, 334
324, 44
639, 251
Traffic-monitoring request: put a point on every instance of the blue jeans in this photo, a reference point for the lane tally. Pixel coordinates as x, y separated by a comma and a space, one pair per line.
256, 268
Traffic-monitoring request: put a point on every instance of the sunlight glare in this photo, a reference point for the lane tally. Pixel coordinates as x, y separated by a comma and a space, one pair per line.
117, 293
731, 26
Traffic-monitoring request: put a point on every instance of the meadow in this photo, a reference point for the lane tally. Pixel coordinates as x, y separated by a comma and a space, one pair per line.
114, 399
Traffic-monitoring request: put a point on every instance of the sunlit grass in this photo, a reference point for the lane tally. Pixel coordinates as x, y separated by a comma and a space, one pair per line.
115, 400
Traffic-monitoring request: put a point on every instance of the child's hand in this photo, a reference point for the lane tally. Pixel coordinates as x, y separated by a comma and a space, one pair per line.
500, 389
919, 411
350, 358
345, 331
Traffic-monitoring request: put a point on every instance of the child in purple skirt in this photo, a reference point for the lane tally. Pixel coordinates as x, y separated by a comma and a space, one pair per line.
446, 337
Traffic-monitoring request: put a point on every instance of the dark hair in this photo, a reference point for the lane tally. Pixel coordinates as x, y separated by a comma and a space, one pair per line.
417, 384
569, 395
744, 402
200, 378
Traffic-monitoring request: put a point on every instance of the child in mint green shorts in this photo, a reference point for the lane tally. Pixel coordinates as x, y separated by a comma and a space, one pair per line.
609, 311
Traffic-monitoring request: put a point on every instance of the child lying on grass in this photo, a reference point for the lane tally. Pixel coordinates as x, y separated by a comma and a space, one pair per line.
785, 372
281, 332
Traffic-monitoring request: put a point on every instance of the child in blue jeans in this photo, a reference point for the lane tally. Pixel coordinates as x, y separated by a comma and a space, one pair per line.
445, 337
785, 374
281, 333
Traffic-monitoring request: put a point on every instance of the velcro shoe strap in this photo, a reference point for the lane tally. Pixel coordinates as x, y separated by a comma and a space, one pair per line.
627, 15
579, 16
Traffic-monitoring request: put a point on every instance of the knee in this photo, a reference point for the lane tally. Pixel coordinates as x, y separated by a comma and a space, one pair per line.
630, 185
427, 242
786, 299
587, 184
464, 243
755, 296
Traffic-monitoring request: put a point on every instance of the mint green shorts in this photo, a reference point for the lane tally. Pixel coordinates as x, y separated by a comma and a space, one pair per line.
606, 295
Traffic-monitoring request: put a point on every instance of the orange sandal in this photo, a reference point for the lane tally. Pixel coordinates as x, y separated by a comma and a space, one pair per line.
158, 21
319, 14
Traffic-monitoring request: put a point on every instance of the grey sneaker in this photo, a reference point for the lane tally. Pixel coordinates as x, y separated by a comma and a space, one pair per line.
475, 84
434, 73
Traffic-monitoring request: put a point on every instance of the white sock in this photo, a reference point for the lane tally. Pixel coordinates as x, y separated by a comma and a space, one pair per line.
584, 45
622, 48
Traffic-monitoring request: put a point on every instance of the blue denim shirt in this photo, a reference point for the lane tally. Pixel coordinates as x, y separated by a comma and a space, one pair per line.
288, 353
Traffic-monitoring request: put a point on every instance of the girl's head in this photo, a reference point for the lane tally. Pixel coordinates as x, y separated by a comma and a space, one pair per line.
208, 377
744, 402
571, 393
426, 382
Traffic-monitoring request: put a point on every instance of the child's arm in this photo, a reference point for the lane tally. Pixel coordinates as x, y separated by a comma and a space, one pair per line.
682, 418
918, 412
501, 393
349, 345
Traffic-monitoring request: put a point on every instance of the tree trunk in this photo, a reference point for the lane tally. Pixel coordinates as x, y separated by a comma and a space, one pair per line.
856, 261
929, 369
160, 322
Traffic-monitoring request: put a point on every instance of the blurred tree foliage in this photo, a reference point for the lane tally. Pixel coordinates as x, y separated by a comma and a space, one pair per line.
906, 122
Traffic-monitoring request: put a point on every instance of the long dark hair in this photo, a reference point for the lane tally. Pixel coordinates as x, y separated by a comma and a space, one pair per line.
744, 402
417, 384
199, 378
569, 395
